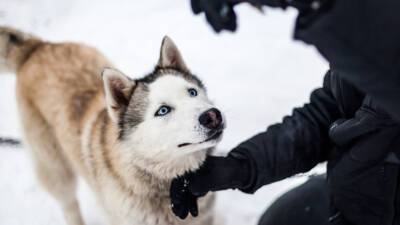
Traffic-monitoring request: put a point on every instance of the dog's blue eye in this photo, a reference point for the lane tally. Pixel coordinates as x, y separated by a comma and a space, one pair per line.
192, 92
163, 110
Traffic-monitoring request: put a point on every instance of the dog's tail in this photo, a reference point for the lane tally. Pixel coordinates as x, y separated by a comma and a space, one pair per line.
15, 48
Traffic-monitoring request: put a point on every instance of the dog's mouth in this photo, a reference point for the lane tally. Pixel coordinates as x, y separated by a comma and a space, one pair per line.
214, 136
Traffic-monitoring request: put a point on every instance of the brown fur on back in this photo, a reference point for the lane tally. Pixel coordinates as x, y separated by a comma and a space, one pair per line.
63, 82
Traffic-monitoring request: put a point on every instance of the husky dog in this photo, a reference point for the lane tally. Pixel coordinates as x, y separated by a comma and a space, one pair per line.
127, 138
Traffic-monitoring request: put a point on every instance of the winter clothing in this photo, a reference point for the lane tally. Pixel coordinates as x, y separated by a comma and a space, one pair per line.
359, 38
183, 201
306, 204
363, 150
352, 121
217, 173
220, 14
213, 15
341, 125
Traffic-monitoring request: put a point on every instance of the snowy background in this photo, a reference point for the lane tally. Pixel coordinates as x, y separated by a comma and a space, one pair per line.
256, 76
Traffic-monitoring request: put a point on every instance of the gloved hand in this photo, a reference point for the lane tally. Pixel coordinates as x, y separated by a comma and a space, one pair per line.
217, 173
182, 200
362, 175
220, 14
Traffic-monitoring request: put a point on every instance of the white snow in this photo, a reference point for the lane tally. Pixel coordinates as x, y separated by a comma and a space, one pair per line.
256, 75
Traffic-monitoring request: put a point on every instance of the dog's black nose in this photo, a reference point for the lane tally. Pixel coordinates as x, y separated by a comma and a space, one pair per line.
212, 118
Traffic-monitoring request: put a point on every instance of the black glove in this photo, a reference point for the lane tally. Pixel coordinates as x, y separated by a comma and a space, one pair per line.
221, 16
217, 173
219, 13
363, 175
182, 200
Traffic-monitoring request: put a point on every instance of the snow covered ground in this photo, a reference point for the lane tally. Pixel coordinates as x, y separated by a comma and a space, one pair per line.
256, 75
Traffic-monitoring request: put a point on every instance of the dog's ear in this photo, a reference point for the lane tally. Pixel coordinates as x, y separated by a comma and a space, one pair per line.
118, 90
170, 56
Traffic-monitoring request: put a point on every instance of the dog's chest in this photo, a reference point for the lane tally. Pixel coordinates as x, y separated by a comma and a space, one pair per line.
151, 209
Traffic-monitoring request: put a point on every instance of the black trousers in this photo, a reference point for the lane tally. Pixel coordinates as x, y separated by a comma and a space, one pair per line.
307, 204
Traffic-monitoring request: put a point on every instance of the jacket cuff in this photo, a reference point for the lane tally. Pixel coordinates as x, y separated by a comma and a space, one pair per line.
249, 185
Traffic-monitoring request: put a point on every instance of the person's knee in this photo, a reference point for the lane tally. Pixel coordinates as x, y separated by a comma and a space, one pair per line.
305, 204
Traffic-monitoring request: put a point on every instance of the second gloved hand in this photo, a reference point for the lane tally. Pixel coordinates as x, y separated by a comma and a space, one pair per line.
217, 173
220, 14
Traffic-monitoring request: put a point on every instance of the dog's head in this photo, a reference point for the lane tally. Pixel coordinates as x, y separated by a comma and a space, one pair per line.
166, 121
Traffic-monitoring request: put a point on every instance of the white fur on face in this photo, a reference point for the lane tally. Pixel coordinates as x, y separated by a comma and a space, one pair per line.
158, 137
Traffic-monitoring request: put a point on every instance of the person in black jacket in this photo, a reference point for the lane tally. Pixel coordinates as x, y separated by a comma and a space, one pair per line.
352, 122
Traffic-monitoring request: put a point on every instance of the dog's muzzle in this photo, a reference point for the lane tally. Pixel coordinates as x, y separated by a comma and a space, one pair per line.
211, 120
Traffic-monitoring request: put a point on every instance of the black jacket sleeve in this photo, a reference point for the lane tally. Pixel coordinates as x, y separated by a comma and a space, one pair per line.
360, 39
296, 145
